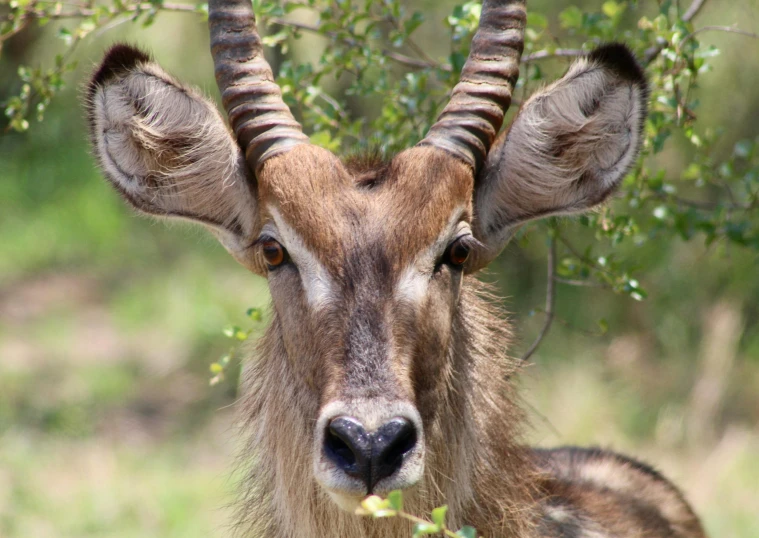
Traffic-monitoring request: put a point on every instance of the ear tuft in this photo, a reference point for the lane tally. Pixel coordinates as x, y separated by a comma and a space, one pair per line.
119, 59
619, 59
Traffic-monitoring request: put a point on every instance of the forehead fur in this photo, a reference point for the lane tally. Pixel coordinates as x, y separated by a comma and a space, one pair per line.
338, 212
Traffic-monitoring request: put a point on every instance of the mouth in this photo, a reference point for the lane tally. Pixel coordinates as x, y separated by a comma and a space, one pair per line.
348, 503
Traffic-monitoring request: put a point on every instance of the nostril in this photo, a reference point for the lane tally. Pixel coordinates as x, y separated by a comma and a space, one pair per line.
404, 443
392, 442
339, 448
348, 446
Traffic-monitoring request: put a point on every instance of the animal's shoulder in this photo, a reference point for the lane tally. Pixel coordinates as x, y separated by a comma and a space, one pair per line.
595, 493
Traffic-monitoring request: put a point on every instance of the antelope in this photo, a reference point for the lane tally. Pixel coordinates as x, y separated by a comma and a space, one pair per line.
384, 364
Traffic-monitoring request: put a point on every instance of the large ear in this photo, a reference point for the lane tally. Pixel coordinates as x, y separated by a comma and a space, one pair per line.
167, 150
568, 148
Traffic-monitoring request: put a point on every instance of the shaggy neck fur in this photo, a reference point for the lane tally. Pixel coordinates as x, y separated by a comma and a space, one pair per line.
473, 461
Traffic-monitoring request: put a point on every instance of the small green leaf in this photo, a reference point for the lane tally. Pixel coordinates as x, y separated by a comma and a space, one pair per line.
467, 532
423, 529
373, 503
743, 149
254, 314
235, 332
613, 10
395, 499
536, 20
571, 17
438, 515
413, 23
457, 61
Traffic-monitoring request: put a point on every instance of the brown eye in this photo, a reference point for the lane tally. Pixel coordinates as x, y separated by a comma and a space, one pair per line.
457, 253
273, 252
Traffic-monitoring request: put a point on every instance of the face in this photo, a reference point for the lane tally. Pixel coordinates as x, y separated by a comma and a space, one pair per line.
365, 267
365, 271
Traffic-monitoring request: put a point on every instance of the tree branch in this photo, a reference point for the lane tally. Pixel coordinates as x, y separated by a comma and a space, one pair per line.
353, 42
581, 283
729, 29
550, 298
706, 206
192, 8
545, 54
693, 10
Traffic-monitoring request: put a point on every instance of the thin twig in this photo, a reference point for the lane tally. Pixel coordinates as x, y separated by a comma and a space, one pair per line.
557, 53
353, 42
570, 247
582, 283
693, 10
550, 298
706, 206
398, 24
729, 29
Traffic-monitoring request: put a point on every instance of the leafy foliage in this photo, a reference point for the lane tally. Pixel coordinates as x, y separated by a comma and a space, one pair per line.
392, 506
220, 368
371, 53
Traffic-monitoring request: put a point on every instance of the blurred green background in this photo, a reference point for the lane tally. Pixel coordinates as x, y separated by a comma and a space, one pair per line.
108, 324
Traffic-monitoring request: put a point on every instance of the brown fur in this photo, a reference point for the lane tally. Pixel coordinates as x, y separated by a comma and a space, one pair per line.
474, 462
369, 315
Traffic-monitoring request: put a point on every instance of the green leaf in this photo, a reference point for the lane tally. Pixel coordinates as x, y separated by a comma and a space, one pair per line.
613, 10
413, 23
65, 35
457, 60
438, 515
202, 9
467, 532
743, 149
325, 140
235, 332
571, 17
395, 499
537, 20
423, 529
254, 314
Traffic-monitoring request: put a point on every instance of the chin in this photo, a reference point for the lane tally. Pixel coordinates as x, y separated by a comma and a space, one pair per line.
345, 502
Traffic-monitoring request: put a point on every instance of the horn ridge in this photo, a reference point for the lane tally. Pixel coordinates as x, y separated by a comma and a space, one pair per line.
472, 118
261, 120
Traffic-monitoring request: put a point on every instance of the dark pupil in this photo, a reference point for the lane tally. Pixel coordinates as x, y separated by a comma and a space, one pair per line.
459, 253
272, 253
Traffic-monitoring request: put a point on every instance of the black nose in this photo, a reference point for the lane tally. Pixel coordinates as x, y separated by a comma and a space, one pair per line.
368, 456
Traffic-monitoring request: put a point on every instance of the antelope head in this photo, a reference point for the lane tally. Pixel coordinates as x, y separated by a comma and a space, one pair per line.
365, 263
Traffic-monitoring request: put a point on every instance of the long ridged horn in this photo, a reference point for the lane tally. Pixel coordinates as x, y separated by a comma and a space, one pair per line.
263, 124
472, 118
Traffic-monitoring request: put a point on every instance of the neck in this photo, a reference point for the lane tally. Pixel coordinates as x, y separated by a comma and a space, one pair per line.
474, 463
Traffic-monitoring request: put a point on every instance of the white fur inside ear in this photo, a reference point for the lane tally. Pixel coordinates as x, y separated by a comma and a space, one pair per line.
566, 151
169, 152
